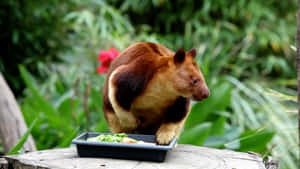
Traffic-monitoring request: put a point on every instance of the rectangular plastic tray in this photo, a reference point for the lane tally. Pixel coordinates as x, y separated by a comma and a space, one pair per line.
122, 150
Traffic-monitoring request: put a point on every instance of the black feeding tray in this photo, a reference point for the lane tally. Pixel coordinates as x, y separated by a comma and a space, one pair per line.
122, 150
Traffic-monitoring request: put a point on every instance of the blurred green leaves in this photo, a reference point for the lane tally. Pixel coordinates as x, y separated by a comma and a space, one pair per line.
207, 125
32, 32
196, 135
218, 126
255, 140
59, 120
17, 148
218, 100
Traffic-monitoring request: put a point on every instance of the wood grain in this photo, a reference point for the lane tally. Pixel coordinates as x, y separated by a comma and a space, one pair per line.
3, 164
182, 157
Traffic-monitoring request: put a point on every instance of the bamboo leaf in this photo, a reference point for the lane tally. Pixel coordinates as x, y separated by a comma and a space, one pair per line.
195, 135
18, 146
218, 126
67, 139
219, 100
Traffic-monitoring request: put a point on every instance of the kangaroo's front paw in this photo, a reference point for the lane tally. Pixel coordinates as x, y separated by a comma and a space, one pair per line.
164, 137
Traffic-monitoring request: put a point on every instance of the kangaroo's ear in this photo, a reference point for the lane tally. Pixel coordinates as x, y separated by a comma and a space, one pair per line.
193, 52
179, 56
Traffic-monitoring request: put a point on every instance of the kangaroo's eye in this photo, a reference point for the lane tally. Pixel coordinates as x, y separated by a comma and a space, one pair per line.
194, 81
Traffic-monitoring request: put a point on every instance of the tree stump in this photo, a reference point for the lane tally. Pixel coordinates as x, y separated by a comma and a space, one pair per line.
3, 164
184, 156
12, 124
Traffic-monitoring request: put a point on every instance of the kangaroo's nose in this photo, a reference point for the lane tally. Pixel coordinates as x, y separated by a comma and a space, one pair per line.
205, 92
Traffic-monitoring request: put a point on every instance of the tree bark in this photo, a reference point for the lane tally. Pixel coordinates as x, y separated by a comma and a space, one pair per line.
298, 69
12, 124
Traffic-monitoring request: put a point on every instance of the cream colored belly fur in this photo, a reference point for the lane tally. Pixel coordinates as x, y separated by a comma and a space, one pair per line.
153, 102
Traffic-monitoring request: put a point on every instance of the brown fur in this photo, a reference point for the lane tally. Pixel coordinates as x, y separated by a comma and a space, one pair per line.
148, 90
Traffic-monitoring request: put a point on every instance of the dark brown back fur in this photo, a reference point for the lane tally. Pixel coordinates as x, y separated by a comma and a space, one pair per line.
142, 59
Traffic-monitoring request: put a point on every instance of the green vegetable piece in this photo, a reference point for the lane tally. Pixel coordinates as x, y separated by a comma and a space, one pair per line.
92, 139
116, 138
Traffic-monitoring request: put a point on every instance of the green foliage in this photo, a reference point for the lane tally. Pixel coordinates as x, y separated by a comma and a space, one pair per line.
255, 140
254, 107
229, 139
258, 33
60, 120
31, 32
196, 135
1, 150
218, 126
17, 148
207, 125
219, 100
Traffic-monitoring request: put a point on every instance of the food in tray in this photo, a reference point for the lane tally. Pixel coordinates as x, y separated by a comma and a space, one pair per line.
117, 138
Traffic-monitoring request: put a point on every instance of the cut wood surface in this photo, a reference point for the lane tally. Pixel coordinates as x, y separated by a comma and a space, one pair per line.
12, 124
182, 157
3, 164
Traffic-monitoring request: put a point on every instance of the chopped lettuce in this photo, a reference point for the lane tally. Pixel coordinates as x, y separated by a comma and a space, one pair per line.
116, 138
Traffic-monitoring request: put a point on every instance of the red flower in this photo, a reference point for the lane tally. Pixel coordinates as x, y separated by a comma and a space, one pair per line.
101, 69
106, 57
